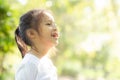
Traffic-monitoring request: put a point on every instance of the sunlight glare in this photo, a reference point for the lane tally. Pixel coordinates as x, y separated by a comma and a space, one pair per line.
23, 1
100, 4
48, 3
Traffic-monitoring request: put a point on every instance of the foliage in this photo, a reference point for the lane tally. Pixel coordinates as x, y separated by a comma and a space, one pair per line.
6, 35
5, 27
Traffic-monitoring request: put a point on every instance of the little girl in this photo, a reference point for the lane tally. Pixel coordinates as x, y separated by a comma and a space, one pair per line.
37, 29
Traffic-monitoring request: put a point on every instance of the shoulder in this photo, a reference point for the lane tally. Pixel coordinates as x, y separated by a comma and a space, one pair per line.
26, 72
29, 62
27, 69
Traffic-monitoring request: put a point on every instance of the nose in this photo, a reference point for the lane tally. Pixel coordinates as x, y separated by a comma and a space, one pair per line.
54, 27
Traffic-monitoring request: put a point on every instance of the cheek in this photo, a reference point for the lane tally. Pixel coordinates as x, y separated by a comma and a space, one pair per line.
41, 31
46, 34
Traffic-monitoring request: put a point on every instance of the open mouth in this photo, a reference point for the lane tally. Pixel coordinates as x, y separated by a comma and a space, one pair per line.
55, 35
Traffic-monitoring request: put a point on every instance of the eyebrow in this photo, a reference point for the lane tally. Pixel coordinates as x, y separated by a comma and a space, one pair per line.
50, 21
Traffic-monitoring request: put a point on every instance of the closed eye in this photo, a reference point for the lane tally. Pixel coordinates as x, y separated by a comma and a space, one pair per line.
48, 23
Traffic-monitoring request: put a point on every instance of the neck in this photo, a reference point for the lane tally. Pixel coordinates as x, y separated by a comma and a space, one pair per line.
39, 51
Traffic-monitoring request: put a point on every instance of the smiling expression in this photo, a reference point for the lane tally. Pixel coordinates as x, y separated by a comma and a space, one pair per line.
48, 31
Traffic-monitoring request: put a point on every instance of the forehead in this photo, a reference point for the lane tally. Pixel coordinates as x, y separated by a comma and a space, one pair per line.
47, 17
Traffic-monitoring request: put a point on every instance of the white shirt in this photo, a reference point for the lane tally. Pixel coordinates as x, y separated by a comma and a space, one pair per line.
33, 68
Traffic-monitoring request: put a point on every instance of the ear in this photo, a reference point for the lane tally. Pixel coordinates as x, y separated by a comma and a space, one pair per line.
31, 33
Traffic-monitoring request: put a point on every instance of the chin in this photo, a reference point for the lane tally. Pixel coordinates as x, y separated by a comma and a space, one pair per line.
55, 43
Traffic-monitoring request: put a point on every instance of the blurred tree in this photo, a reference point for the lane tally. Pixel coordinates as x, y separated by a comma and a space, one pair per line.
6, 34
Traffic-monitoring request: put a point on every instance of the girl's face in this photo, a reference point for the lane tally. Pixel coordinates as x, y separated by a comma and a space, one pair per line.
48, 33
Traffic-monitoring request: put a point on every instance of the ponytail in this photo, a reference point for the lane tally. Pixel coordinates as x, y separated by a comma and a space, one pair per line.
20, 43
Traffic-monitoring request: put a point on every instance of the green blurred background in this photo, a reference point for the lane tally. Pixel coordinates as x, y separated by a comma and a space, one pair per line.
89, 46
